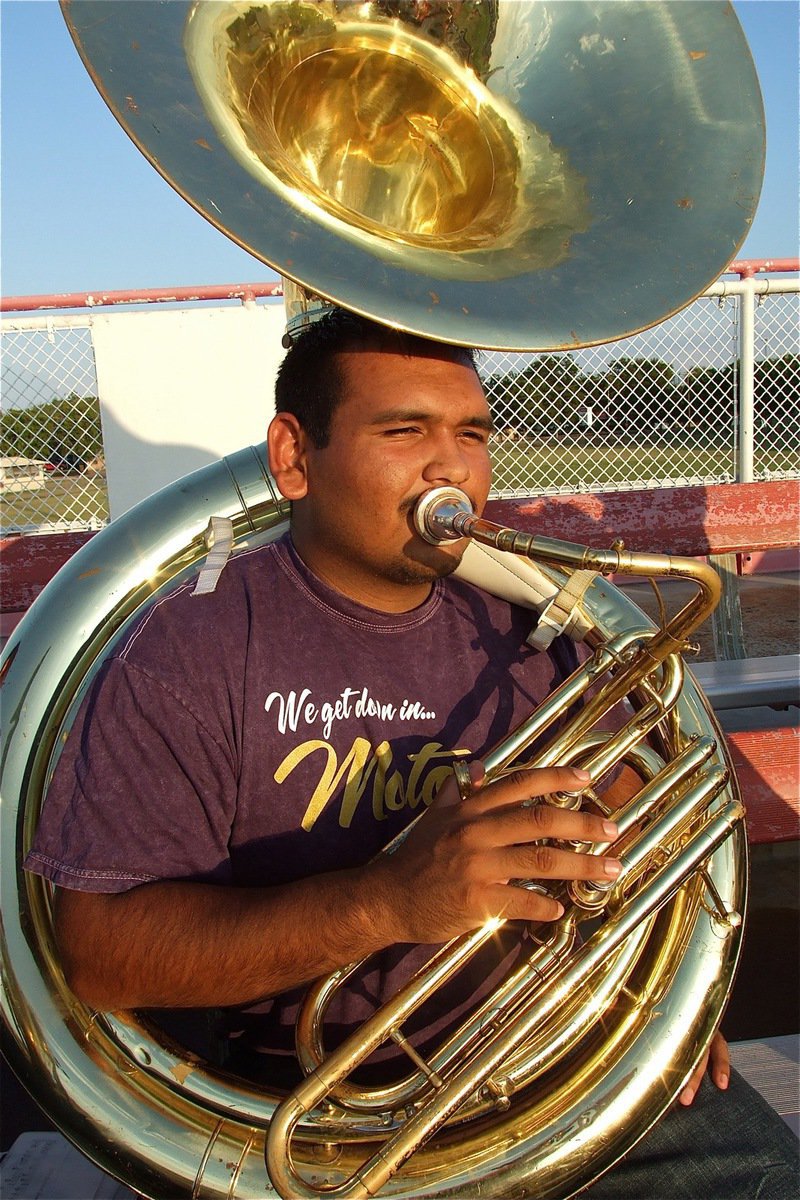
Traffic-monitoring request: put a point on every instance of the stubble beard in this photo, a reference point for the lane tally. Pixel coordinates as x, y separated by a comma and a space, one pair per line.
409, 571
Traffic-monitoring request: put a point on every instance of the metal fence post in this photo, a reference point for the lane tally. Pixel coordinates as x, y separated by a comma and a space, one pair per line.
726, 620
747, 362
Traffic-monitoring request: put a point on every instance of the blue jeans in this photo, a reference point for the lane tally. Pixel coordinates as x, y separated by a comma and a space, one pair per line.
727, 1146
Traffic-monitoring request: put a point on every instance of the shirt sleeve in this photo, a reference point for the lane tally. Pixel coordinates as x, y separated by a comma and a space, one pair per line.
143, 791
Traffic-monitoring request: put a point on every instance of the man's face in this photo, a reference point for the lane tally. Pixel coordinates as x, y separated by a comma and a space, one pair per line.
405, 425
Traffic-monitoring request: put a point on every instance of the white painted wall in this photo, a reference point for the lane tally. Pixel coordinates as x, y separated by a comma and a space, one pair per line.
180, 388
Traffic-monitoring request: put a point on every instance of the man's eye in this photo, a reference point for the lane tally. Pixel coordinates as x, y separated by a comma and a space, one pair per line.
400, 429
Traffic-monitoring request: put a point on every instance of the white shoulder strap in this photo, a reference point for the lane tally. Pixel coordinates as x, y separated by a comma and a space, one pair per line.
521, 582
219, 539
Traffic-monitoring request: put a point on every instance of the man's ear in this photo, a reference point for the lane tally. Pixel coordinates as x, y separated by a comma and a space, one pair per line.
286, 451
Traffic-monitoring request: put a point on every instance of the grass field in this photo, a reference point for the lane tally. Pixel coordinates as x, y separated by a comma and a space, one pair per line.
78, 500
541, 466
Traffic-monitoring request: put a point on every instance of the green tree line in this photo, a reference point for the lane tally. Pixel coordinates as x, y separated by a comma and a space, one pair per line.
64, 429
644, 396
636, 397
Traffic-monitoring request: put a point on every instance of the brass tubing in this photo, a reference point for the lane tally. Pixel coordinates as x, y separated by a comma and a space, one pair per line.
333, 1070
656, 790
534, 970
621, 741
309, 1030
445, 514
667, 781
671, 777
616, 930
671, 823
551, 709
414, 1133
654, 838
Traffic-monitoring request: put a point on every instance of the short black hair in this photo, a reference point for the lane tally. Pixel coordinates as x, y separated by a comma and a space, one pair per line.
310, 382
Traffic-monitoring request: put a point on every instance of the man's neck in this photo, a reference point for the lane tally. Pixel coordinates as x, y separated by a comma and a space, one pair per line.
367, 589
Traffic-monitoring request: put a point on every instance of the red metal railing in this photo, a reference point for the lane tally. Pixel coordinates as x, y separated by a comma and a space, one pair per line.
744, 268
223, 291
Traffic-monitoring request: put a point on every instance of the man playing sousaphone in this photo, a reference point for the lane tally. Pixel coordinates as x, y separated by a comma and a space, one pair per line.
214, 823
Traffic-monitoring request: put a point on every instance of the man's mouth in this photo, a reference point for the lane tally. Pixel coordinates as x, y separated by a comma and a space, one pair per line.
408, 506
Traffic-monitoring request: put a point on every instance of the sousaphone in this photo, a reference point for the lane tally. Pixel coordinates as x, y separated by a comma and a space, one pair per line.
517, 176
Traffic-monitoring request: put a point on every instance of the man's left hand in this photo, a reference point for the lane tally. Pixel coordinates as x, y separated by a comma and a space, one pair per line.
717, 1061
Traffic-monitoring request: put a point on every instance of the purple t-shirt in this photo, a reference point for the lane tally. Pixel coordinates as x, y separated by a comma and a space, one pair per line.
273, 730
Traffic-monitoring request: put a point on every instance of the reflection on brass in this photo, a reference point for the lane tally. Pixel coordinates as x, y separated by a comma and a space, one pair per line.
385, 135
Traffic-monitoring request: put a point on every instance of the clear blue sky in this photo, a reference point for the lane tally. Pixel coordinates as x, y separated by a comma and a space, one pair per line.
82, 210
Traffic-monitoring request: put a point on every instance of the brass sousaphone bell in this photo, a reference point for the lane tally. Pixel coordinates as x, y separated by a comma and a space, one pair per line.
518, 176
513, 176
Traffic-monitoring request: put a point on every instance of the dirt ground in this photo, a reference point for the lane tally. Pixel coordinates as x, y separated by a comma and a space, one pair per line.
770, 612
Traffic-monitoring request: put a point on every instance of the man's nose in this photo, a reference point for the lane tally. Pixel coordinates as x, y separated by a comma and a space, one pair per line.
447, 463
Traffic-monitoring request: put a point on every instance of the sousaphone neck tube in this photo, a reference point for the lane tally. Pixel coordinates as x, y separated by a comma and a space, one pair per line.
445, 514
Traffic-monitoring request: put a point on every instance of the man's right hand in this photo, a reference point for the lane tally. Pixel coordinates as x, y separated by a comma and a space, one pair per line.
180, 944
455, 869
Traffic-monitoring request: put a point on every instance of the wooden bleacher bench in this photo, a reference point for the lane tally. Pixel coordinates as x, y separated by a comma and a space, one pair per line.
772, 682
27, 564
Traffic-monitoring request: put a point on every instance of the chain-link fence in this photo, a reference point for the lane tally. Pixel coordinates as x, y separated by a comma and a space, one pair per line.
702, 398
660, 409
52, 470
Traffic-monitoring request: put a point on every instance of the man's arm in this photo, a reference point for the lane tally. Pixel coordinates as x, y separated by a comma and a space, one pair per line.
174, 944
